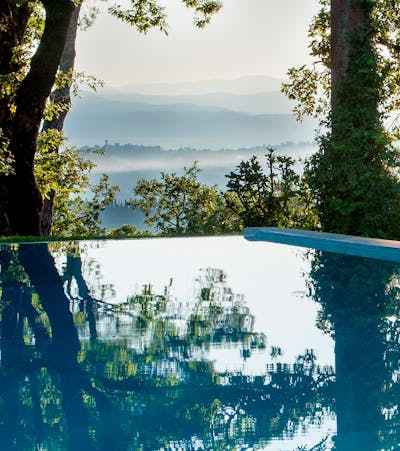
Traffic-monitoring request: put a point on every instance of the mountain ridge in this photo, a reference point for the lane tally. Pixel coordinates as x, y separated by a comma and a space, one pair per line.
273, 102
246, 85
196, 128
230, 118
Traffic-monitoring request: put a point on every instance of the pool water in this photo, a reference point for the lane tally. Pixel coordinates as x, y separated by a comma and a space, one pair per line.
197, 344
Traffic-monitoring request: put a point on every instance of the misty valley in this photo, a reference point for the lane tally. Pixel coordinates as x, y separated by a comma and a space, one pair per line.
126, 164
135, 132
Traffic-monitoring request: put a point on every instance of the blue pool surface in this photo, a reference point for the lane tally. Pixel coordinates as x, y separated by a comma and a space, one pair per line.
197, 344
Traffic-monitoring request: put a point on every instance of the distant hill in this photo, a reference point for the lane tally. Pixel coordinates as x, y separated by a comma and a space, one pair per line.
245, 112
244, 85
239, 116
96, 119
100, 103
273, 102
251, 95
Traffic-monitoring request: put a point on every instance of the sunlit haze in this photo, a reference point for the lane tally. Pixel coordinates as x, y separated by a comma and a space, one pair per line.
247, 37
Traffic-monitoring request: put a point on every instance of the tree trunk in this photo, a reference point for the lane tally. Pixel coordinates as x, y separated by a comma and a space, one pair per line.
347, 18
22, 202
61, 97
13, 23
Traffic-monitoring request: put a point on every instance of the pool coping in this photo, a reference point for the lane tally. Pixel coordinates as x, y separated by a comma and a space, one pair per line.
330, 242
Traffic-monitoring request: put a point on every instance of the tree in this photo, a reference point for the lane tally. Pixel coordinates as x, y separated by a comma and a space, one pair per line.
277, 196
182, 205
21, 116
27, 80
60, 98
355, 85
62, 178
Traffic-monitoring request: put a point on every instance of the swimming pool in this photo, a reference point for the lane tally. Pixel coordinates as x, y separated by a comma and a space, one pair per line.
197, 343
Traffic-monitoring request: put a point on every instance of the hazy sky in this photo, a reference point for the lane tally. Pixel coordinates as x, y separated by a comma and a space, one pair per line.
248, 37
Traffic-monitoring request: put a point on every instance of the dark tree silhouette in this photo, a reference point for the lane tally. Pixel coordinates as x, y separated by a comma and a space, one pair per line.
358, 297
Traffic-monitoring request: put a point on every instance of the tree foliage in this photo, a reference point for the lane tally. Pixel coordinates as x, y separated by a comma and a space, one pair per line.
147, 14
274, 196
353, 88
31, 43
182, 205
78, 203
255, 197
32, 38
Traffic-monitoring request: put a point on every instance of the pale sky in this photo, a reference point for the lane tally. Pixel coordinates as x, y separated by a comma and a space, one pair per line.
247, 37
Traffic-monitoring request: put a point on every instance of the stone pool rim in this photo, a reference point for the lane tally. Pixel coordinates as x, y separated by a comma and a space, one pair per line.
377, 248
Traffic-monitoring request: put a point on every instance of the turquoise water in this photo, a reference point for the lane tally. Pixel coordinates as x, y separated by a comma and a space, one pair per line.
197, 344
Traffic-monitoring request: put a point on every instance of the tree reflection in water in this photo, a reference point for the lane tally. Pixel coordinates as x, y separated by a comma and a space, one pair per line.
359, 300
78, 373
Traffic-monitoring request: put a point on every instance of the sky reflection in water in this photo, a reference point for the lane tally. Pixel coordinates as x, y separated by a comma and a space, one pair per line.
196, 343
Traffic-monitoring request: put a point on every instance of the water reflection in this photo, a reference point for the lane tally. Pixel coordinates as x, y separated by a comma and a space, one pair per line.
79, 373
359, 300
